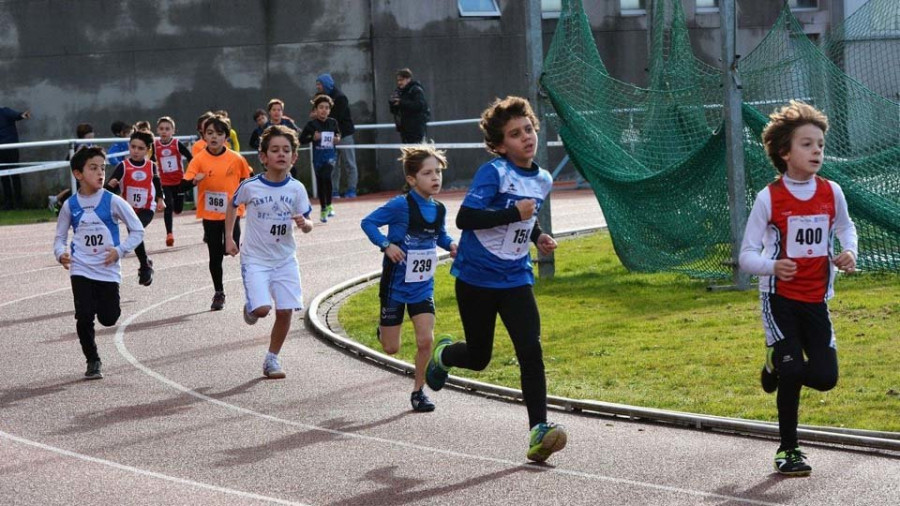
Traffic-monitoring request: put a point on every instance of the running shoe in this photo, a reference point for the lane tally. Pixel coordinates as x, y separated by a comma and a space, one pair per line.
272, 369
218, 301
792, 463
323, 216
330, 210
420, 402
350, 194
768, 377
249, 317
145, 273
93, 370
436, 372
170, 240
546, 439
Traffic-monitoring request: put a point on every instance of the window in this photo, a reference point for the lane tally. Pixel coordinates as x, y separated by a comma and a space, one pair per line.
633, 6
551, 8
707, 5
804, 4
478, 8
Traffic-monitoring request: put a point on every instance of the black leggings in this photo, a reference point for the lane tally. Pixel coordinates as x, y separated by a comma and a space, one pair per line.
478, 308
215, 243
174, 198
323, 184
806, 329
100, 298
146, 216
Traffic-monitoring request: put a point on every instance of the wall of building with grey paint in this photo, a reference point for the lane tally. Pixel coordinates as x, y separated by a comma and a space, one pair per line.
97, 61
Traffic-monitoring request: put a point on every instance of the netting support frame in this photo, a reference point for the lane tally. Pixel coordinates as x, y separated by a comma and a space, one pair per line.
734, 137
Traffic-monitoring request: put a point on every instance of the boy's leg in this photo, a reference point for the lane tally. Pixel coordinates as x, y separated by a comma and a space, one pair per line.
169, 198
423, 322
280, 330
145, 216
108, 306
478, 309
85, 307
215, 244
519, 312
179, 200
327, 171
783, 327
819, 344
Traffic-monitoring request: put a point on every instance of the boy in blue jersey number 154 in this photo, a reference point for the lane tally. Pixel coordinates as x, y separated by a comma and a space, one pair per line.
493, 265
416, 228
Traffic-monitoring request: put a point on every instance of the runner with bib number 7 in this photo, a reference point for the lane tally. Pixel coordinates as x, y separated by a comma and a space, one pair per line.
416, 228
217, 172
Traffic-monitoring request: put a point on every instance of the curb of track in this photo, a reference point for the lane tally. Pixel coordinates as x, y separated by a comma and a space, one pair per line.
325, 305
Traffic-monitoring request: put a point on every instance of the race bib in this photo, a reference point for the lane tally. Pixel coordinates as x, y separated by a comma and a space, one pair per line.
137, 197
420, 265
515, 243
807, 236
168, 164
215, 202
327, 140
92, 239
278, 231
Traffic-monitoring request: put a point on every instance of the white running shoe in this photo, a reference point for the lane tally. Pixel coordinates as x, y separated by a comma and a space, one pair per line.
272, 369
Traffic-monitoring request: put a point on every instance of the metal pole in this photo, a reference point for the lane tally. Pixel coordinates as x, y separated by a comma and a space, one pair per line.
534, 45
734, 132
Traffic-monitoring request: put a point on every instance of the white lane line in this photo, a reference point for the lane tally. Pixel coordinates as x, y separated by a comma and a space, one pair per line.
144, 472
123, 350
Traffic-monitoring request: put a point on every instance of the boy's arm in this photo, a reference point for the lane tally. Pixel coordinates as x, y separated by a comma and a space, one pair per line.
230, 214
125, 213
185, 152
751, 258
306, 136
380, 217
845, 230
112, 184
157, 186
63, 222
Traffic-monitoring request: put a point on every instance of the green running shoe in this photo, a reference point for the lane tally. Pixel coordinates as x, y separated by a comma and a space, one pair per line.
436, 372
792, 463
546, 439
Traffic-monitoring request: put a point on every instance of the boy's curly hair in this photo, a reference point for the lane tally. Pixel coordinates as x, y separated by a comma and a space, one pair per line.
321, 97
779, 131
495, 117
278, 131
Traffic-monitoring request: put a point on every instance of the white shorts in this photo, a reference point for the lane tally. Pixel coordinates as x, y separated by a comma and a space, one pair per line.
263, 283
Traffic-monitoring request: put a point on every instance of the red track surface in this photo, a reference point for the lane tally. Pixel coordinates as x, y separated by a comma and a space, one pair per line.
183, 415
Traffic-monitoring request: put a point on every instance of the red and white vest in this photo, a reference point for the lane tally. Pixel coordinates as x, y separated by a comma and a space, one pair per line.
171, 165
806, 236
137, 185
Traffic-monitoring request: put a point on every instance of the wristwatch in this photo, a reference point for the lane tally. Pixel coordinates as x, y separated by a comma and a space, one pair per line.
384, 245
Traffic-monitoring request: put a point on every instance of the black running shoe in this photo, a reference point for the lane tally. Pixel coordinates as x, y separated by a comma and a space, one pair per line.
93, 370
792, 463
145, 274
420, 402
218, 301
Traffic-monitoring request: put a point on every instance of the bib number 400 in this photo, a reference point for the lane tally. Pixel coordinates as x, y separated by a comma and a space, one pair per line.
808, 236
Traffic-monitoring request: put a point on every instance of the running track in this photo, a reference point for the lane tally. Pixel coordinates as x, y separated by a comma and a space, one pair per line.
183, 415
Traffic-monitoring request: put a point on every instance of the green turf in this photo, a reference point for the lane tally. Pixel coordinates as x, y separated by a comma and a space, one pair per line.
26, 216
665, 341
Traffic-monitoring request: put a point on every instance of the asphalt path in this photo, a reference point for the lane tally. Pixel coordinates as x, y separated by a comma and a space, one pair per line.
183, 414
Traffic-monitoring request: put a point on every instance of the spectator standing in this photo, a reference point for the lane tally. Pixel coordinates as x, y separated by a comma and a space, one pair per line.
346, 157
410, 110
12, 185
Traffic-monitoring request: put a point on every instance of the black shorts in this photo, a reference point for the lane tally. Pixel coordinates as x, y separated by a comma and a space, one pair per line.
392, 311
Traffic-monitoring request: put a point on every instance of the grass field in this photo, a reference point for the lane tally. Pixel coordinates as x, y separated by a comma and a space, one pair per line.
26, 216
665, 341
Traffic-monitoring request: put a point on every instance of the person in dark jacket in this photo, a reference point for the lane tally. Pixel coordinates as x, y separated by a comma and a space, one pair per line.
410, 110
347, 156
12, 185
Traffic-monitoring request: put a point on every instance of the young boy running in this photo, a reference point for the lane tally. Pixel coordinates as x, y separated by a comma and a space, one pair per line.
216, 171
274, 201
789, 244
171, 156
94, 216
324, 133
416, 228
493, 265
137, 179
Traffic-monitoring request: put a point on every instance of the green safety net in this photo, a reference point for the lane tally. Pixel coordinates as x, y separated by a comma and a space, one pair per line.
655, 157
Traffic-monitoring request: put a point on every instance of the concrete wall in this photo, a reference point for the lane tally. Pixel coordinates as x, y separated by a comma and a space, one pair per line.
98, 61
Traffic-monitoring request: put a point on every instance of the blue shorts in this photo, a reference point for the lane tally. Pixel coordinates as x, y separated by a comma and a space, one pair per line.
392, 311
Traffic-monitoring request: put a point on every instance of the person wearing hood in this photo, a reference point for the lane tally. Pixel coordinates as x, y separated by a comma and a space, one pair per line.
410, 110
346, 156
